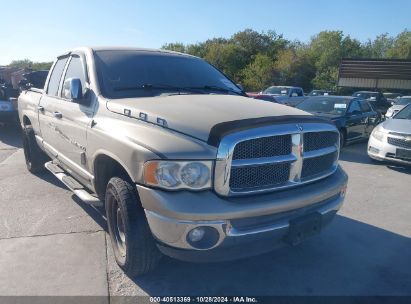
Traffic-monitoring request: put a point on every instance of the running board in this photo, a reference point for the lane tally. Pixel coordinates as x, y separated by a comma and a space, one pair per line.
72, 184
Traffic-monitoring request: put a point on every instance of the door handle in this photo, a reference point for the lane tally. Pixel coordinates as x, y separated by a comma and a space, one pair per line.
57, 114
40, 108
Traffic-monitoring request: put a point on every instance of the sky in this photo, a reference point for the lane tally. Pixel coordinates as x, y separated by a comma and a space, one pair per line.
40, 30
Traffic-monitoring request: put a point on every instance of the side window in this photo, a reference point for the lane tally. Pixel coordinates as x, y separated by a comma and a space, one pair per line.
354, 106
55, 77
300, 92
75, 70
365, 106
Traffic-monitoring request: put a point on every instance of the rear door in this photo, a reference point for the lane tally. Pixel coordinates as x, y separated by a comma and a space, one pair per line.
74, 119
355, 124
50, 105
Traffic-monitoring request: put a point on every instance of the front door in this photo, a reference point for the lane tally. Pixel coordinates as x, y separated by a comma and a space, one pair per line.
74, 119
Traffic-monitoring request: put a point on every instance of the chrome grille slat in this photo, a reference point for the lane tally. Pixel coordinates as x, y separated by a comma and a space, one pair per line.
263, 161
320, 152
255, 170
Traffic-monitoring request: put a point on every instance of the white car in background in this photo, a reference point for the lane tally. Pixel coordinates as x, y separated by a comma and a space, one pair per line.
391, 139
398, 106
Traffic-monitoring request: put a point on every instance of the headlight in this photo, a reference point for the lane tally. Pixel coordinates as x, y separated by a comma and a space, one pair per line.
378, 135
195, 175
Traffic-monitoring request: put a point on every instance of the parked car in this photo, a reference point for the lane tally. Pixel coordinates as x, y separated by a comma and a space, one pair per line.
252, 94
290, 96
391, 95
398, 106
185, 163
391, 140
8, 105
377, 100
321, 93
35, 79
354, 117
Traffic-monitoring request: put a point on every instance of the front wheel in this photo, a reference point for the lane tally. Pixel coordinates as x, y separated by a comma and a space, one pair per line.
133, 244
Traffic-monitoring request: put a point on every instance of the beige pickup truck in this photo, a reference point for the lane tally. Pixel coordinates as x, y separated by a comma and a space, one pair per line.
185, 164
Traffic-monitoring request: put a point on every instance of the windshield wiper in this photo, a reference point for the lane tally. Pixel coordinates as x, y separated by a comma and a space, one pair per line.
216, 88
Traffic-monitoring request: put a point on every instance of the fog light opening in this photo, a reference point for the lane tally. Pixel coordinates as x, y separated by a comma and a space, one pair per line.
196, 234
203, 237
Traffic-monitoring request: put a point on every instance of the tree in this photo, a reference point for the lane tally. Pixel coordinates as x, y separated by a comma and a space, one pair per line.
259, 74
401, 47
28, 64
176, 47
379, 47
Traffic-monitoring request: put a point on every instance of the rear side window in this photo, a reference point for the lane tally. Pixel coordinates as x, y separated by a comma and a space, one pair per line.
76, 70
365, 106
55, 77
354, 107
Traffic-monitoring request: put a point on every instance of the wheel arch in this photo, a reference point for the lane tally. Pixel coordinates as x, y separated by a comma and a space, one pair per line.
106, 166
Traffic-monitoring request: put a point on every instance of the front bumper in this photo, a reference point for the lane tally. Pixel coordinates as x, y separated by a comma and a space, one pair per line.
243, 226
383, 151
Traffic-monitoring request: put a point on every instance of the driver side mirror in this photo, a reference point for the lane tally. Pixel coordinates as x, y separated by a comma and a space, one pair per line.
73, 90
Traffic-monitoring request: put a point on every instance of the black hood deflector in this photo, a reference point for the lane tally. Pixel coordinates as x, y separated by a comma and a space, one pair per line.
223, 129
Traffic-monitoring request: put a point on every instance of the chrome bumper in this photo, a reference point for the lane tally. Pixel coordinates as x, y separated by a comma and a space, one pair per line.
243, 226
174, 233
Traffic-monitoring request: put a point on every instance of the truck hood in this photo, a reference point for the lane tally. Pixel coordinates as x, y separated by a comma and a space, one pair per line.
195, 115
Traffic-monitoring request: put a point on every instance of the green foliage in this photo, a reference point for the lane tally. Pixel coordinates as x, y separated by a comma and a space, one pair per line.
28, 64
258, 60
258, 74
401, 47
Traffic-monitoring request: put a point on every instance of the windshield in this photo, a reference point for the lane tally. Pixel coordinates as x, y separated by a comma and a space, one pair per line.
404, 113
328, 105
365, 95
277, 91
143, 74
403, 101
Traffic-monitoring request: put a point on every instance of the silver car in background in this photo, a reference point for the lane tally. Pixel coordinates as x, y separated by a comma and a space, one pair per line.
398, 106
391, 140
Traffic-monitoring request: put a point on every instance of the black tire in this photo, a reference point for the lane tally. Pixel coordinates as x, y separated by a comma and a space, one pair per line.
132, 242
342, 139
34, 156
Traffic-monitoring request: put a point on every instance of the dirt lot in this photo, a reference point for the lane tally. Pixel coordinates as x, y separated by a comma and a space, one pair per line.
53, 244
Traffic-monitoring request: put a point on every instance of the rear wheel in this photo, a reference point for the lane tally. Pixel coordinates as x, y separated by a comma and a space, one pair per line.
133, 244
35, 158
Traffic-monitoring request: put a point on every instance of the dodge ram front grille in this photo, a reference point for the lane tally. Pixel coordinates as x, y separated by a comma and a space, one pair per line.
250, 177
319, 140
317, 166
399, 142
263, 147
275, 157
